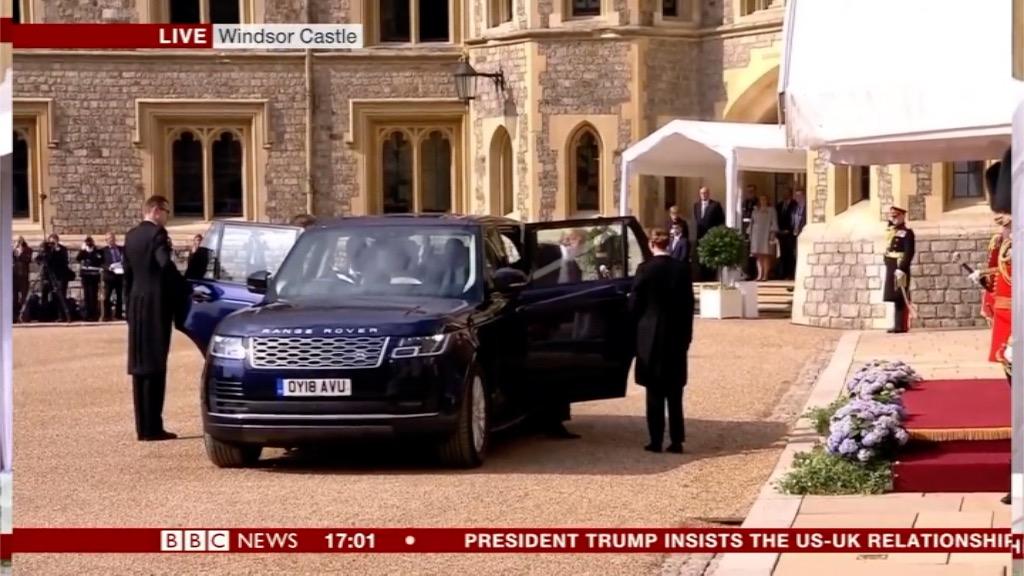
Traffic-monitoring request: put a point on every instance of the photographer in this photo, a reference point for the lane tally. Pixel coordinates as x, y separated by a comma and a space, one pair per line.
55, 274
22, 273
90, 263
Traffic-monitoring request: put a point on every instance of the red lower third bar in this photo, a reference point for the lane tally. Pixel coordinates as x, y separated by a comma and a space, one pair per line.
106, 36
502, 540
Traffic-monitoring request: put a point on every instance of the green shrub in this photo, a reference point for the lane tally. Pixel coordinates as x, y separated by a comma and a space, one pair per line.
818, 472
722, 247
821, 417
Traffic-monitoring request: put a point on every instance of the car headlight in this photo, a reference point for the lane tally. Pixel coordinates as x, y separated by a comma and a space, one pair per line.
420, 346
230, 347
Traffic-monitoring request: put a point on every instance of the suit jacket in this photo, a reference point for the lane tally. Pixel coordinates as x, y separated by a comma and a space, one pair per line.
784, 215
109, 258
154, 291
680, 250
662, 306
802, 221
713, 216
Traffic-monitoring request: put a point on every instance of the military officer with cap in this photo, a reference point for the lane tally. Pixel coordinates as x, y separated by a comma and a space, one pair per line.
899, 254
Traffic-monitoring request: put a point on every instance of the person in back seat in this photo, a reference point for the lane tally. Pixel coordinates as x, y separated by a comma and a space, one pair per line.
456, 268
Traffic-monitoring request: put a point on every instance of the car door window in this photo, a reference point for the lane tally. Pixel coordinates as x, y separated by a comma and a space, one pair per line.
245, 250
579, 253
634, 251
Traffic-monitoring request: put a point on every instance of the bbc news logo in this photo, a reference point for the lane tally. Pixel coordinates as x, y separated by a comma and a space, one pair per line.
195, 541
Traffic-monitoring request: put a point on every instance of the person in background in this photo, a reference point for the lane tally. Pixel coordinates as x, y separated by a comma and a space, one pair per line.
674, 219
113, 279
787, 241
55, 271
22, 275
764, 226
679, 245
707, 214
90, 264
661, 304
153, 287
198, 259
899, 254
749, 203
798, 219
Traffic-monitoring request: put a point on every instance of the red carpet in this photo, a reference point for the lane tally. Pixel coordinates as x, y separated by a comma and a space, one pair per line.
949, 410
982, 466
960, 437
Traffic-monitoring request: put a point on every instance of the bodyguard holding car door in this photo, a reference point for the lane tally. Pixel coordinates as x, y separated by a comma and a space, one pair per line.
154, 290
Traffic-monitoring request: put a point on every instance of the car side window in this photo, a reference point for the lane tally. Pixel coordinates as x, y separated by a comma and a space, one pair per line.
248, 249
575, 254
634, 252
210, 242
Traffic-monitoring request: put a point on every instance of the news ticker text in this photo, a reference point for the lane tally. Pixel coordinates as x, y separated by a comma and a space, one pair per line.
506, 540
183, 36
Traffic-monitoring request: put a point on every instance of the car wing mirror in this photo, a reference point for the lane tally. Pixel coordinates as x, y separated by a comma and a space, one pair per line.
510, 280
257, 282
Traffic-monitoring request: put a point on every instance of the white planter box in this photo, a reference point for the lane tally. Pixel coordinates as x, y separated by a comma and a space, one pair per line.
749, 292
716, 302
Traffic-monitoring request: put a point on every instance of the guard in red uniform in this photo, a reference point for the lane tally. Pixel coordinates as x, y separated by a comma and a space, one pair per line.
997, 304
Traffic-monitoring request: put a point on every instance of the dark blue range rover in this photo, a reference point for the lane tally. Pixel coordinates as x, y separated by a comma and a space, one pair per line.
442, 327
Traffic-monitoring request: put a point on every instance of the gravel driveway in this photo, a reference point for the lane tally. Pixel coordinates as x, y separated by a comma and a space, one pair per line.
77, 463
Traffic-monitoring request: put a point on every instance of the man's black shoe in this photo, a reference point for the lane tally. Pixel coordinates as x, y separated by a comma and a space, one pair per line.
675, 448
1005, 500
561, 433
165, 435
653, 448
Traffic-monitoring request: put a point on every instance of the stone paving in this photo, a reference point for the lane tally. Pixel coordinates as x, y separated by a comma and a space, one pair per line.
935, 354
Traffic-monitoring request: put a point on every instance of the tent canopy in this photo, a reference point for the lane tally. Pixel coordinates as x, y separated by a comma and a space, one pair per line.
943, 85
692, 148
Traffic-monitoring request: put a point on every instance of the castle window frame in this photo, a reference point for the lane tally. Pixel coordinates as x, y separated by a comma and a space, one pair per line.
677, 12
32, 119
574, 154
373, 23
160, 123
583, 8
372, 120
758, 8
26, 11
160, 12
500, 12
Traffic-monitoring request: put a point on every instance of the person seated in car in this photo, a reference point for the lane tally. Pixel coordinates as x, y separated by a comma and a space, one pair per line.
355, 256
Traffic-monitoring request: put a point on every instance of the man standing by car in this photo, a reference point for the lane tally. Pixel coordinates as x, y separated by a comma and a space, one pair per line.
153, 287
662, 305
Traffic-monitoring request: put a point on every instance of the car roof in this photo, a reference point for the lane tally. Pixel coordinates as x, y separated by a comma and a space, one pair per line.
419, 220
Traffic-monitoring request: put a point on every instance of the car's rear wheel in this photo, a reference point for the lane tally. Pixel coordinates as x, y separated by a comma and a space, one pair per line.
467, 445
227, 455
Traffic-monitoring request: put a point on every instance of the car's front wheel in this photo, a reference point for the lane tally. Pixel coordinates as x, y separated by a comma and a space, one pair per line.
467, 444
226, 455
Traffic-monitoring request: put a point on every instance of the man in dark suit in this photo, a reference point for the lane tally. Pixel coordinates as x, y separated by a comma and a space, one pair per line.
707, 214
113, 279
154, 289
787, 241
679, 244
662, 305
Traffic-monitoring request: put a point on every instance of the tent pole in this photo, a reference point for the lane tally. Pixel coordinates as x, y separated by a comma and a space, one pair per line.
624, 189
731, 178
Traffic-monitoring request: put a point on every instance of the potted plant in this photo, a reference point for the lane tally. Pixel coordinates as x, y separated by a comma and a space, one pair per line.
722, 249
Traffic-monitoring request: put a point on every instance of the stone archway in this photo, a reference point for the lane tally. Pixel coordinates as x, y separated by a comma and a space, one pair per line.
758, 103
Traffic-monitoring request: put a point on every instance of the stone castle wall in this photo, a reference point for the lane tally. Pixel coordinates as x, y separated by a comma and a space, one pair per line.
842, 281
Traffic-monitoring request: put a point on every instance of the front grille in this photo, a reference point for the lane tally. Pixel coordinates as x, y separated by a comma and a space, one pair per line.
305, 353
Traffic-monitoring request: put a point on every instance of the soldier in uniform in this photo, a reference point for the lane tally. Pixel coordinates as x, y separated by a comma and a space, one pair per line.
997, 278
899, 254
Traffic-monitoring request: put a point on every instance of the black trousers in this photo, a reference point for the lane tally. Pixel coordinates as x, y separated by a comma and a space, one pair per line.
657, 397
91, 298
148, 393
787, 256
902, 323
55, 297
113, 290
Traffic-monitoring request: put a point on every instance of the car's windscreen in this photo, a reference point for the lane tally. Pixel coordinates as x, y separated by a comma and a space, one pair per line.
335, 264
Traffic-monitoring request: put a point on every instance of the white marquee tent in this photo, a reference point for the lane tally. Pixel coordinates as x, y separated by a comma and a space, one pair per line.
939, 90
690, 148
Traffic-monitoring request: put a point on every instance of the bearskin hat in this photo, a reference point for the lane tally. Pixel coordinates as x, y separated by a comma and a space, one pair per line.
997, 179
